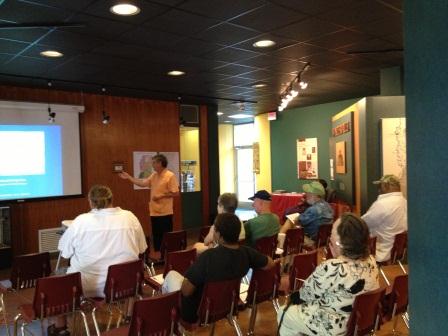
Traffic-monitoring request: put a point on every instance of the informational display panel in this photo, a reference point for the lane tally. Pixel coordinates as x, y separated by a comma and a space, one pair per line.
307, 165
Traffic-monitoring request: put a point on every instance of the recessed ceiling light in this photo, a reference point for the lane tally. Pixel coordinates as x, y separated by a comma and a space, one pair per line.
264, 44
176, 73
258, 85
51, 53
125, 9
240, 116
219, 113
227, 121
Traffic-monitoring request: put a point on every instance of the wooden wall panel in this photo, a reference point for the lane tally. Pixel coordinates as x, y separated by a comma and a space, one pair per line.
203, 140
136, 125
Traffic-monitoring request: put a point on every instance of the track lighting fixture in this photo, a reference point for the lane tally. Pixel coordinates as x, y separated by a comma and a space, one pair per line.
51, 114
292, 90
106, 117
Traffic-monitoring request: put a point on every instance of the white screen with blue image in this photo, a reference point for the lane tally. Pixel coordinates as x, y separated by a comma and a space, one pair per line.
39, 159
31, 162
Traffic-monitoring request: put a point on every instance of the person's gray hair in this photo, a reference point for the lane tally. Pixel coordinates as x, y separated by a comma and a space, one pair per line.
100, 196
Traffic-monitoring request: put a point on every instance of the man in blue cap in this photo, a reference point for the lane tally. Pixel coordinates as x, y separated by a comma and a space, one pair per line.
266, 224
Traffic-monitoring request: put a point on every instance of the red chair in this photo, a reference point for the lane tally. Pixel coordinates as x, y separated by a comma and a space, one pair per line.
263, 286
267, 245
203, 232
398, 254
156, 315
173, 241
397, 301
365, 316
372, 245
54, 296
123, 282
219, 300
323, 235
293, 242
26, 269
178, 261
302, 267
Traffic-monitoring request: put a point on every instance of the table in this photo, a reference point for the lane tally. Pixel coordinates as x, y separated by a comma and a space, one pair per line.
281, 202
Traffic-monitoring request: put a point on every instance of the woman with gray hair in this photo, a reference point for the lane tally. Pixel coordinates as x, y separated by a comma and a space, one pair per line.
327, 296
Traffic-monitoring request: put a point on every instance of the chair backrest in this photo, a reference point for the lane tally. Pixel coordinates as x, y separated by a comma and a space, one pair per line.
399, 295
293, 241
219, 299
57, 295
145, 255
303, 266
173, 241
179, 261
399, 248
26, 269
365, 312
339, 209
203, 232
267, 245
323, 234
264, 284
123, 280
156, 315
372, 245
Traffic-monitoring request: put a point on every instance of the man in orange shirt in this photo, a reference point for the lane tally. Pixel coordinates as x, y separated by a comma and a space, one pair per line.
164, 187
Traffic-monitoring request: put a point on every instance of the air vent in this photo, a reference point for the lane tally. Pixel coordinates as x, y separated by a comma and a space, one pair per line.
49, 240
189, 115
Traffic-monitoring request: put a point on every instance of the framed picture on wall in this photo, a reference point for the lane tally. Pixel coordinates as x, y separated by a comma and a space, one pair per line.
341, 166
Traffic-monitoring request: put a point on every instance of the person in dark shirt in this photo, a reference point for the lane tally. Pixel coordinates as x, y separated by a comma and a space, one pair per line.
227, 261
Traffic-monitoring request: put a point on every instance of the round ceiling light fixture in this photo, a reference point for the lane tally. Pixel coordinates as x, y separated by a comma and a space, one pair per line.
264, 44
51, 53
175, 73
125, 8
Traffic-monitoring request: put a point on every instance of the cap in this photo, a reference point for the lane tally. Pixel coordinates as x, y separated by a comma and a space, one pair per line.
261, 194
388, 179
314, 188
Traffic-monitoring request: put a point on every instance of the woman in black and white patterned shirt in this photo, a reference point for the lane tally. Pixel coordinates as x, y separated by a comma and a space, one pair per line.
327, 296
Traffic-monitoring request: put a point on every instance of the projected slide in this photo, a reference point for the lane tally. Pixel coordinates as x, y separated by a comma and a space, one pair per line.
30, 161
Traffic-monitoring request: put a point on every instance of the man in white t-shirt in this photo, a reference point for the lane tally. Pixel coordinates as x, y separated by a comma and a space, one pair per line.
387, 216
104, 236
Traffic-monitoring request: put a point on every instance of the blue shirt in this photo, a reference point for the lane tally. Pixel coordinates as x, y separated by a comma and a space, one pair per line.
316, 215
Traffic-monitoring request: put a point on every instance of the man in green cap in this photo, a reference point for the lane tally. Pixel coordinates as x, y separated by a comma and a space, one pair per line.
319, 212
387, 216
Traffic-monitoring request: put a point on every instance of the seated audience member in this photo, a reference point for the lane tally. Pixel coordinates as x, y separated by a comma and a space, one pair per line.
265, 224
320, 212
327, 296
104, 236
387, 216
330, 194
227, 261
227, 203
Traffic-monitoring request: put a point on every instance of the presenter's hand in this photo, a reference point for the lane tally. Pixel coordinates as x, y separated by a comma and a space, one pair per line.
124, 175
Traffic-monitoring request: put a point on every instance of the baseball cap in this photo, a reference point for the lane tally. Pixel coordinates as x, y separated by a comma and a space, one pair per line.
261, 194
314, 188
388, 179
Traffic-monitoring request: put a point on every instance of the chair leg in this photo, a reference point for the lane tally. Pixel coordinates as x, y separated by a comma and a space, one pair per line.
236, 326
276, 305
402, 267
212, 329
95, 322
86, 325
384, 276
3, 308
16, 323
394, 317
253, 317
405, 317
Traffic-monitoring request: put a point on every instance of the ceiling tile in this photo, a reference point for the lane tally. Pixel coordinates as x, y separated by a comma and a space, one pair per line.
195, 47
22, 35
221, 9
307, 29
313, 7
12, 47
65, 39
227, 34
339, 39
150, 38
232, 69
298, 50
230, 54
267, 18
180, 22
27, 12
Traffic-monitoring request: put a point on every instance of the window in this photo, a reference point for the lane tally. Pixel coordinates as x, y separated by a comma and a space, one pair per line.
243, 138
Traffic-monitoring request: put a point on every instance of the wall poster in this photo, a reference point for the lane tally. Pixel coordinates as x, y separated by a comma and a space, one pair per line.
143, 164
341, 166
307, 159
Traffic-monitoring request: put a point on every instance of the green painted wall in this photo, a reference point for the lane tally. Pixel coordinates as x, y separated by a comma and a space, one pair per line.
426, 64
306, 122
